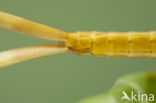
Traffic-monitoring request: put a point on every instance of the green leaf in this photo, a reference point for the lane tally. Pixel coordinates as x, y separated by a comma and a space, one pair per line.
139, 87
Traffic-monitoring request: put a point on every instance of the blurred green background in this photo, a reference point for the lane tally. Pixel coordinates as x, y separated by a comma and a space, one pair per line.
67, 78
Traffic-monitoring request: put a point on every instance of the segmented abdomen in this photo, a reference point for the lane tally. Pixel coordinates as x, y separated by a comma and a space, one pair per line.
114, 44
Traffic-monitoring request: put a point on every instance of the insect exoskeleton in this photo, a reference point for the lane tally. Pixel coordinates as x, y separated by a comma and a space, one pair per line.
114, 44
80, 42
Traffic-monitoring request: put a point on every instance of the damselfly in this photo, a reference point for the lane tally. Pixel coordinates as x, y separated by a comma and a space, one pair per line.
113, 44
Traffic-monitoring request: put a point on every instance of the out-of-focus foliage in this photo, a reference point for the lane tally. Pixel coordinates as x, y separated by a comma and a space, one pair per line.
141, 86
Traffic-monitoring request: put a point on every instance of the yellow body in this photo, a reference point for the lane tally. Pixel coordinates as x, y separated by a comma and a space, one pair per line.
114, 44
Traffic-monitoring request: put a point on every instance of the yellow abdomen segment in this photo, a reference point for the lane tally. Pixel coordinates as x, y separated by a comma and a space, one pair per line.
114, 44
